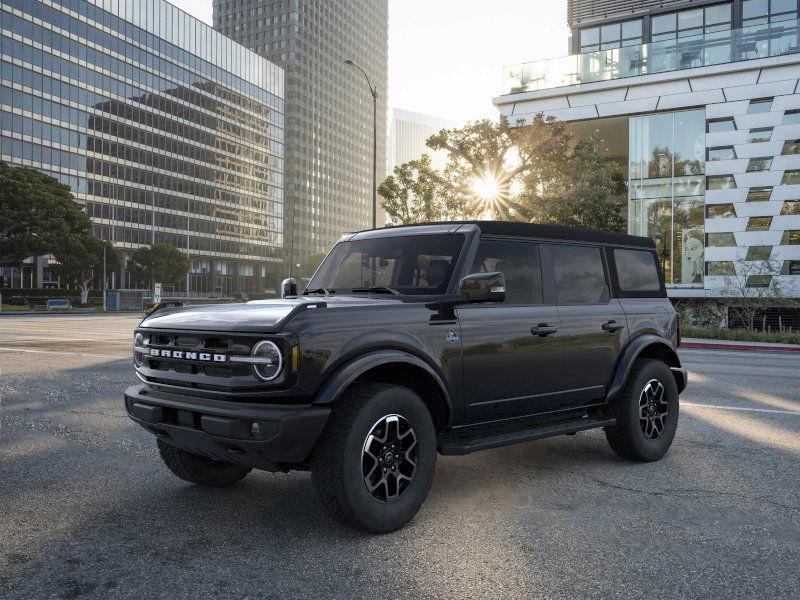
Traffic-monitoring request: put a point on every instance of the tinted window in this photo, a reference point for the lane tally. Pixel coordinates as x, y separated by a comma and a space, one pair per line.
419, 264
519, 262
579, 274
637, 271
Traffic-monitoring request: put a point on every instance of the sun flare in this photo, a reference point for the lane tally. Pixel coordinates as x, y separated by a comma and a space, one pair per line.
486, 188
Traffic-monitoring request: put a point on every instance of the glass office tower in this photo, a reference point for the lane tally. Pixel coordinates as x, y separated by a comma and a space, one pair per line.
166, 131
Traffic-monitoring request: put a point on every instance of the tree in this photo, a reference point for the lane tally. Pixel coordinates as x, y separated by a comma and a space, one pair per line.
588, 190
755, 287
311, 263
37, 214
418, 193
80, 259
162, 263
526, 173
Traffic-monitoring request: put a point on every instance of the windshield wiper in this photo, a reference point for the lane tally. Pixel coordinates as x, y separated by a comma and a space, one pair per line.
378, 289
325, 291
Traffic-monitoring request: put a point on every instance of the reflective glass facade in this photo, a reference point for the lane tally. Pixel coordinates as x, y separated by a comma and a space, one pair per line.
666, 187
166, 131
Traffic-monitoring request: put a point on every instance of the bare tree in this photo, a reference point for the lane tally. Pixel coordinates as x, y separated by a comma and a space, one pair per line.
754, 288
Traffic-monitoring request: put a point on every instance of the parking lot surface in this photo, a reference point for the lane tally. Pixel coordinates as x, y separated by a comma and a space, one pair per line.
87, 510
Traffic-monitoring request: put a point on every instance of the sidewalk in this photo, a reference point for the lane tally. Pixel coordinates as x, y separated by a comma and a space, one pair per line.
736, 345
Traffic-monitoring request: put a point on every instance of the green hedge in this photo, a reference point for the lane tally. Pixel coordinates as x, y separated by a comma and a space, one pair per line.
741, 335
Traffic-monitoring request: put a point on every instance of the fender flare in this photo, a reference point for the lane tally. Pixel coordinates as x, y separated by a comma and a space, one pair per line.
633, 350
340, 380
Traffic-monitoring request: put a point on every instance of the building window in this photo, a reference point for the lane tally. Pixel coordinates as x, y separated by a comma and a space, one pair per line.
759, 134
790, 267
759, 281
691, 23
759, 106
758, 252
791, 147
720, 240
720, 211
721, 153
720, 125
791, 237
720, 182
612, 35
762, 163
759, 223
791, 207
760, 12
720, 268
666, 188
759, 194
791, 117
791, 177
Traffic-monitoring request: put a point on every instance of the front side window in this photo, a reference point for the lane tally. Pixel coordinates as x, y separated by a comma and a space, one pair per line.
413, 264
579, 274
636, 271
519, 262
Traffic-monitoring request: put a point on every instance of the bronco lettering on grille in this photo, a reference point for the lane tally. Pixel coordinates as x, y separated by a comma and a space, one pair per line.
201, 356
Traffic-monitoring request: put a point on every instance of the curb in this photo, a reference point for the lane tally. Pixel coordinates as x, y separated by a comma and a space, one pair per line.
711, 345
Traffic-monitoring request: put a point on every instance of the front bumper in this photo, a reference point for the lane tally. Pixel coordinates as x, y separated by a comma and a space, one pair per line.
285, 434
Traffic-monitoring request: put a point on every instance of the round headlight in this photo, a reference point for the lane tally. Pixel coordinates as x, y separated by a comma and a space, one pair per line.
138, 344
270, 360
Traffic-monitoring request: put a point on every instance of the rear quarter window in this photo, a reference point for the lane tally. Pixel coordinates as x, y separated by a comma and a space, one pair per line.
637, 271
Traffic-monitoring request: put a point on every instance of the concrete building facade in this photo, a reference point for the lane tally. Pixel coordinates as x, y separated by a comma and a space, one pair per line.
407, 136
328, 107
705, 120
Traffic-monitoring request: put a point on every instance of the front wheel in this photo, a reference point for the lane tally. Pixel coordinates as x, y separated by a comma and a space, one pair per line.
375, 461
646, 412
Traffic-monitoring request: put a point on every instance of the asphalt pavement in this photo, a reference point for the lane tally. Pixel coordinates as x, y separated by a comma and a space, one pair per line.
87, 510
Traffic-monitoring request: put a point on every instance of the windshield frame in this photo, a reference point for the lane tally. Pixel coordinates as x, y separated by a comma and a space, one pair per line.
468, 232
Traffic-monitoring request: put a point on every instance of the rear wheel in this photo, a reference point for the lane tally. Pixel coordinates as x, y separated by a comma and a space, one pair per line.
646, 412
199, 469
375, 461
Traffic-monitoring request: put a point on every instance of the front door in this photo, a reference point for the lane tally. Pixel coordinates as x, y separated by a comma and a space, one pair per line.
511, 355
593, 325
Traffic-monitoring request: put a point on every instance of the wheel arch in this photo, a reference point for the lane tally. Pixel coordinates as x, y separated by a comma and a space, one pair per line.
646, 346
396, 367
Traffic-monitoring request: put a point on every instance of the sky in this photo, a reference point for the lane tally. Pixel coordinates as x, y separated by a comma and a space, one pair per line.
446, 57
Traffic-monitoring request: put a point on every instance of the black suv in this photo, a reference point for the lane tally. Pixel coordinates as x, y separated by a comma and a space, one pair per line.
408, 341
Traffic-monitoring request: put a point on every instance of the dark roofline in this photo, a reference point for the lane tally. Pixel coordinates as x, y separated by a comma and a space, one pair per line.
535, 230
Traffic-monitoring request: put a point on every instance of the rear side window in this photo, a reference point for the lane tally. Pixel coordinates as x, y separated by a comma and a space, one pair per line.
636, 271
579, 274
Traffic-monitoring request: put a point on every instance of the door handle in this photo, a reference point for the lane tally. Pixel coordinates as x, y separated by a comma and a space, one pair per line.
543, 330
612, 326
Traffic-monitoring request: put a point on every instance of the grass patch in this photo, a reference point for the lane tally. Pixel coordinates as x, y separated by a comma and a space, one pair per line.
13, 308
742, 335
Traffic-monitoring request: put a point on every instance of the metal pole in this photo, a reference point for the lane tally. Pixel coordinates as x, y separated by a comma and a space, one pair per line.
105, 286
374, 159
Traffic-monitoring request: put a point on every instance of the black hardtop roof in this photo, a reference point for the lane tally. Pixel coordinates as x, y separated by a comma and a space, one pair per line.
534, 230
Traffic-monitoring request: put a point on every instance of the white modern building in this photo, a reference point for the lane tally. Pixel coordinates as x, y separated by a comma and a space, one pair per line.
407, 136
700, 103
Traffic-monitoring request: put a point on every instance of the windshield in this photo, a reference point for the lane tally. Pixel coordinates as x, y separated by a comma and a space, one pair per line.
418, 264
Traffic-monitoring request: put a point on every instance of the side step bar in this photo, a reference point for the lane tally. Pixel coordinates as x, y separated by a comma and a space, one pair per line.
459, 446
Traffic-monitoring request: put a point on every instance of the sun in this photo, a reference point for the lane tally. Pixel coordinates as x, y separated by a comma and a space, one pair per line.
486, 188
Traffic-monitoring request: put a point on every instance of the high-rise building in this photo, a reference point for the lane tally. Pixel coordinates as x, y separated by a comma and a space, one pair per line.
328, 186
166, 131
407, 136
699, 101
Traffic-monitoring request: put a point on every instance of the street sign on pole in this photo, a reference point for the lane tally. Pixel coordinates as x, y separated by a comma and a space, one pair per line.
157, 293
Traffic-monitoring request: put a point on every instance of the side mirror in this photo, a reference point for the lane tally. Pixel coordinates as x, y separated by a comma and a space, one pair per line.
483, 287
288, 287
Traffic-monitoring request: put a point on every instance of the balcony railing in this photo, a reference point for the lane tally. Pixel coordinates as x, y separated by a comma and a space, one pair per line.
758, 41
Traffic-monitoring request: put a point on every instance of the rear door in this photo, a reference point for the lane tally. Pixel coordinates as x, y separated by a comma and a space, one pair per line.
593, 325
511, 356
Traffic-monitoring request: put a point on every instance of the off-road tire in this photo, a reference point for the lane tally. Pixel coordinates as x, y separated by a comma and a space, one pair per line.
336, 461
627, 438
199, 469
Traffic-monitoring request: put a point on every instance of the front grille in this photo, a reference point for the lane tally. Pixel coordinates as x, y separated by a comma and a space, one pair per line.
226, 380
